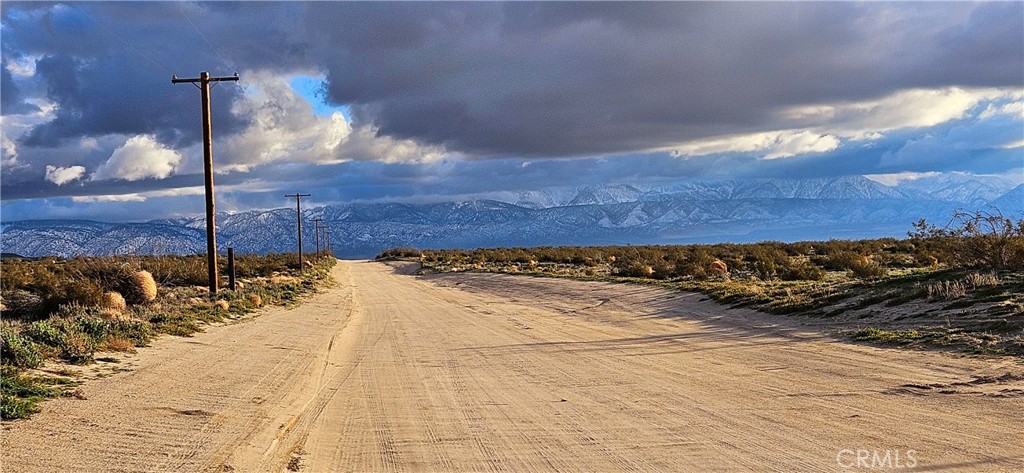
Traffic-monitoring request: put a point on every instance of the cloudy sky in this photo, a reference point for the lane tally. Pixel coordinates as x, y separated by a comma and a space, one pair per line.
440, 101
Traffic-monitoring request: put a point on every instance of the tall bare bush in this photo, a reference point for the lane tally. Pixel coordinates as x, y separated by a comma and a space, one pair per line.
985, 239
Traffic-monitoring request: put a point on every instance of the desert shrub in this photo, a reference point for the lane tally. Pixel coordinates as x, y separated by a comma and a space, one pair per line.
43, 332
877, 335
17, 274
21, 392
801, 270
700, 264
96, 328
633, 269
247, 266
18, 350
256, 300
140, 287
178, 270
138, 331
983, 239
766, 262
925, 260
21, 303
75, 291
864, 268
840, 260
114, 301
108, 273
67, 337
16, 408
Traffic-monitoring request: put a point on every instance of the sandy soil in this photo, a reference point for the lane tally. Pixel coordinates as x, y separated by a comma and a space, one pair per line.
390, 371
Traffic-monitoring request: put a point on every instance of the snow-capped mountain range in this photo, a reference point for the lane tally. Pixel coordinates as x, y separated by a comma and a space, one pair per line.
685, 212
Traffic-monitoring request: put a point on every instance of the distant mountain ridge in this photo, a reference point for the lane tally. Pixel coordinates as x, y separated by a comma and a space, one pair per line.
849, 207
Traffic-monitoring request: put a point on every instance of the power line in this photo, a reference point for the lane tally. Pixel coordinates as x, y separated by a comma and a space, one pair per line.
131, 46
201, 35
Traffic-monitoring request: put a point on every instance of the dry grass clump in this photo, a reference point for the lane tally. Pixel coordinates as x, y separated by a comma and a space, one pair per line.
949, 290
114, 302
719, 267
256, 300
979, 280
141, 287
285, 280
222, 305
119, 344
864, 268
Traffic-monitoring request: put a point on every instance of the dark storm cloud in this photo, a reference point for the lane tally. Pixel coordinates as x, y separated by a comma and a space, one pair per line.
104, 84
514, 79
516, 82
11, 100
108, 65
545, 79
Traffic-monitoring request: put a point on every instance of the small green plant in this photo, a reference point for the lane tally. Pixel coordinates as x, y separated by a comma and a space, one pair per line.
12, 407
877, 335
18, 350
21, 392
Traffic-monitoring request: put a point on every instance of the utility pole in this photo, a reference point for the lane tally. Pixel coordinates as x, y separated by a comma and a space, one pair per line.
298, 220
316, 227
327, 239
203, 83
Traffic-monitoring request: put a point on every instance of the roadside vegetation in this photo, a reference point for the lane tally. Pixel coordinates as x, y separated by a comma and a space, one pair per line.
66, 311
958, 286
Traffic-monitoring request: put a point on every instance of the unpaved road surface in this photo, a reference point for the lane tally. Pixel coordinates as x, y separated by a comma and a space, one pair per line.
394, 372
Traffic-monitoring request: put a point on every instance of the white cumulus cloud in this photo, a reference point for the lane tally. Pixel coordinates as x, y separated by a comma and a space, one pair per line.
140, 157
817, 128
284, 128
915, 108
771, 145
61, 176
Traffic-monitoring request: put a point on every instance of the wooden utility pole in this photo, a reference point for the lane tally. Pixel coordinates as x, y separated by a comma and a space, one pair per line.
327, 239
203, 83
316, 227
298, 220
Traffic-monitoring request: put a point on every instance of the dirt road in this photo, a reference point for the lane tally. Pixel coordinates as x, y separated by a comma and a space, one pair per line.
390, 372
